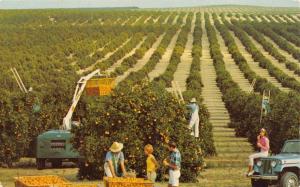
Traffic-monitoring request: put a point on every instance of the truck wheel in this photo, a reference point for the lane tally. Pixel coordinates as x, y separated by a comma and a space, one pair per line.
9, 164
79, 162
258, 183
56, 163
40, 163
289, 179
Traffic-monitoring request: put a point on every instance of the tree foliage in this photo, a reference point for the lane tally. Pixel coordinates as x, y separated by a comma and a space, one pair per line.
137, 116
244, 108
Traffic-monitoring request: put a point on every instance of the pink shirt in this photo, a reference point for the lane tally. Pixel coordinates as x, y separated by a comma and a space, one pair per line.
264, 141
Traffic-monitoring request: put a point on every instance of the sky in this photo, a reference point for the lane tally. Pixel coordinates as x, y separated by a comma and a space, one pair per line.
23, 4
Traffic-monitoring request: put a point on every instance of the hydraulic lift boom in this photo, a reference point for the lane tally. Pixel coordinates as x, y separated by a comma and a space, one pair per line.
67, 121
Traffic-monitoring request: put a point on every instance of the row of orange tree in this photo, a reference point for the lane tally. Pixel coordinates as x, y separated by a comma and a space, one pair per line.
41, 50
244, 108
140, 112
271, 49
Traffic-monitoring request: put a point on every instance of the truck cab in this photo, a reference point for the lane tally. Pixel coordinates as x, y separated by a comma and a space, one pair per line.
55, 146
282, 169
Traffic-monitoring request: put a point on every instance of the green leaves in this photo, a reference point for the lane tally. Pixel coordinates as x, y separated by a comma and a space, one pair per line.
136, 116
15, 134
194, 88
283, 121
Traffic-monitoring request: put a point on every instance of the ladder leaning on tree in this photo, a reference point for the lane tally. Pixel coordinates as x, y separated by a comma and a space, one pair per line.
19, 81
251, 89
265, 104
36, 106
176, 91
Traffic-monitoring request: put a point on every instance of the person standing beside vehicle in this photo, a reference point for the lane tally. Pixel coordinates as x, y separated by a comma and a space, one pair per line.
174, 164
114, 160
263, 144
194, 118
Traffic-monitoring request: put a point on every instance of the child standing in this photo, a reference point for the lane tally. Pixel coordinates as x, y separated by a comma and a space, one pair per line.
151, 162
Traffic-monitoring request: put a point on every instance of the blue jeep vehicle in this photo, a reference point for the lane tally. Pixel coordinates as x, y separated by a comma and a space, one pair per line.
282, 169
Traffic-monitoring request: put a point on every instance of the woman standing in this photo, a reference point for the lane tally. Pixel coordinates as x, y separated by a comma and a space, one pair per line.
264, 145
151, 163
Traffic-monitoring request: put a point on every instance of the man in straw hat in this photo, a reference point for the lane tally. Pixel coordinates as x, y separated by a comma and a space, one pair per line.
114, 159
194, 119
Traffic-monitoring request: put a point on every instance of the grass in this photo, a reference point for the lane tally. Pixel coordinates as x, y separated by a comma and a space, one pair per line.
7, 175
26, 167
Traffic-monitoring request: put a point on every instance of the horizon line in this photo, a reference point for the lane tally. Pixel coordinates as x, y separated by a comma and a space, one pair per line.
137, 7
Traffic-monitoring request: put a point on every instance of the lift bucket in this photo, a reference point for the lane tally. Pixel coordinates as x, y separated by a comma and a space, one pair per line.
100, 86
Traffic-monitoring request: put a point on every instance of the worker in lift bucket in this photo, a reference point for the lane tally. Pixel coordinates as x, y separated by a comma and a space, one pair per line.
114, 162
194, 118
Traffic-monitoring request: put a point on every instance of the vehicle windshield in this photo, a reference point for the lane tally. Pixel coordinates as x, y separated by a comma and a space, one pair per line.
291, 147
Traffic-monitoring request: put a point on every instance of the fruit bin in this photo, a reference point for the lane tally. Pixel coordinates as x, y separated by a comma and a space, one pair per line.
126, 182
41, 181
100, 86
79, 185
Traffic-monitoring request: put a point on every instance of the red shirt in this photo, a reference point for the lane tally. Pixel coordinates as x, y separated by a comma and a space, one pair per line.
264, 141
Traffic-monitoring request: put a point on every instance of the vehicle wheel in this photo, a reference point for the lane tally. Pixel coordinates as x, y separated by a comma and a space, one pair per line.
258, 183
40, 163
79, 162
289, 179
9, 164
56, 163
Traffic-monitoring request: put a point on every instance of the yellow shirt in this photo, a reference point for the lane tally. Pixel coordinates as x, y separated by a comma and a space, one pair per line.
150, 164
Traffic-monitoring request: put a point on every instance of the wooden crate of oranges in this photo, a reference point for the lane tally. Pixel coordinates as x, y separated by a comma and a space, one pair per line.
41, 181
126, 182
47, 181
80, 185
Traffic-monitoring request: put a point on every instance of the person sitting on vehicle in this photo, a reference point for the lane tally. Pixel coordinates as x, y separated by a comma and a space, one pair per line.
263, 145
114, 159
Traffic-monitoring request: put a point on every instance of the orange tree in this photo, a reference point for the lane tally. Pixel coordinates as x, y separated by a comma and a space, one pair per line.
13, 128
136, 115
281, 123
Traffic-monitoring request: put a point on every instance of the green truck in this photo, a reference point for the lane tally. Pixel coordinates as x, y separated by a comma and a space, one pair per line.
282, 170
55, 146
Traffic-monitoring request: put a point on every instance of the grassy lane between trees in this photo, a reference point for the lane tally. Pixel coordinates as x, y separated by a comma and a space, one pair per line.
244, 108
271, 49
261, 83
263, 61
167, 77
279, 40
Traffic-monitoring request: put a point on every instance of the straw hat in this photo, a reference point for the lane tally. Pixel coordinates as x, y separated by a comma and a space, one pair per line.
193, 100
116, 147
